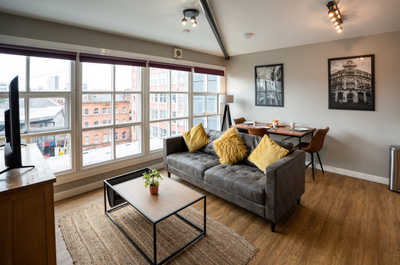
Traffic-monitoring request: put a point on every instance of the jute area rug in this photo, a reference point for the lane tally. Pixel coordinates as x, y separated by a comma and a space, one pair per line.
91, 238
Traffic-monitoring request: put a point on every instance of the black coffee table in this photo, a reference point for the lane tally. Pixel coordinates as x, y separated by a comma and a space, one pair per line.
173, 197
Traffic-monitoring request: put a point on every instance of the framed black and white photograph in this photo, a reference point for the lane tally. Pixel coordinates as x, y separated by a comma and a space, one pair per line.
352, 83
269, 85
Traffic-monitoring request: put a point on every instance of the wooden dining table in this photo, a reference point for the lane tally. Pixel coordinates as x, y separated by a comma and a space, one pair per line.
282, 130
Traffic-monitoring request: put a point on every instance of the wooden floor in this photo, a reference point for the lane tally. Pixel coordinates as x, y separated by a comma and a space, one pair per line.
341, 220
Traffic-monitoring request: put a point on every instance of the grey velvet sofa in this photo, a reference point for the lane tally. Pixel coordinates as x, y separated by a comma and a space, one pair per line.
273, 195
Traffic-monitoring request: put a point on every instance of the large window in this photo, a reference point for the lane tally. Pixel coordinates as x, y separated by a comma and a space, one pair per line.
169, 105
206, 97
45, 86
112, 117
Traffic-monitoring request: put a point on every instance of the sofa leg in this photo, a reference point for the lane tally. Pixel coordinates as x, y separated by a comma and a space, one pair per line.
169, 174
272, 227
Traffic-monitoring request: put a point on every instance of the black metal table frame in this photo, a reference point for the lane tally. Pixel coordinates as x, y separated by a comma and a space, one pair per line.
176, 213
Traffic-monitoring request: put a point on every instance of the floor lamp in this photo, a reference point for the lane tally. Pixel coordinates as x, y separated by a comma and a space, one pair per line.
226, 119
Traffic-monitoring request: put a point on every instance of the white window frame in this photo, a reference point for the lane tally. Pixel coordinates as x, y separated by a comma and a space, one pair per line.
158, 100
28, 134
206, 93
114, 111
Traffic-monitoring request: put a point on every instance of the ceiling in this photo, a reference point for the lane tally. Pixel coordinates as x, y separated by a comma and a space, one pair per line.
275, 23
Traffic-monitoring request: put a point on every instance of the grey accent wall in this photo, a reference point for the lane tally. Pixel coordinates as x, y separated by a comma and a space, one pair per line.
358, 140
20, 26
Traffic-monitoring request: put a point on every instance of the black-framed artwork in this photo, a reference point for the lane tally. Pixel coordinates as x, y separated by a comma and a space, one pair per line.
269, 85
352, 82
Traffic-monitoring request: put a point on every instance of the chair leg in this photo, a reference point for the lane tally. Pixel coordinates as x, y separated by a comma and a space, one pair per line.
312, 166
272, 227
320, 163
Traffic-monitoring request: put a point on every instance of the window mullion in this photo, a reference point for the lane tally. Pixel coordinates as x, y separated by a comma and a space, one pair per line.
114, 106
26, 98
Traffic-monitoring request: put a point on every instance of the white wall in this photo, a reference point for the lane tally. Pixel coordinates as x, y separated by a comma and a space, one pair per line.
358, 140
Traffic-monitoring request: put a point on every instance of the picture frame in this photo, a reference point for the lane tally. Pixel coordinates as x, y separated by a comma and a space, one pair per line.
269, 85
351, 83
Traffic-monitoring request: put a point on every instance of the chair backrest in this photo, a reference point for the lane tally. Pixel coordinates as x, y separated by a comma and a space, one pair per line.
317, 141
239, 120
258, 131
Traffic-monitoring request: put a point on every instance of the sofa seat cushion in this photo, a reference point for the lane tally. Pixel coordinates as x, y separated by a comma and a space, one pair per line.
246, 181
193, 164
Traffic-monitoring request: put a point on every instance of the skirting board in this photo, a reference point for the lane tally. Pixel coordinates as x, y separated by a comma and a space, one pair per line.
353, 174
86, 188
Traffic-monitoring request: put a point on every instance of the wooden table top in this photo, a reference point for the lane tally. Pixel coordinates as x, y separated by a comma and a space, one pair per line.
21, 177
281, 130
171, 197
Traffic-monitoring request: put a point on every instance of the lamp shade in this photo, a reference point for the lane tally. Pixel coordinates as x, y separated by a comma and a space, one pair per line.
227, 99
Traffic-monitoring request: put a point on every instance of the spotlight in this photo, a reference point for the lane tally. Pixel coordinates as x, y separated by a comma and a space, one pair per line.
183, 21
339, 30
191, 15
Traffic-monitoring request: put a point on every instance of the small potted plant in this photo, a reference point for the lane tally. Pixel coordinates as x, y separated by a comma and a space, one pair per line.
152, 179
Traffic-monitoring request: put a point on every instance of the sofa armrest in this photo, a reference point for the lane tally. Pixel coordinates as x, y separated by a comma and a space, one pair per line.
174, 144
285, 185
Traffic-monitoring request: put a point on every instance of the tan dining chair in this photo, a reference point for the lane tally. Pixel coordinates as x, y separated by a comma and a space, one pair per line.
258, 131
313, 147
239, 120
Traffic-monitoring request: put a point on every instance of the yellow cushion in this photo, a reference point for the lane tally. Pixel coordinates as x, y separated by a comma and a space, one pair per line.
266, 153
230, 148
195, 138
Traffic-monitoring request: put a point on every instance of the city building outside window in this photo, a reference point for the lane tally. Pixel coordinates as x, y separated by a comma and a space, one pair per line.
207, 90
112, 88
169, 106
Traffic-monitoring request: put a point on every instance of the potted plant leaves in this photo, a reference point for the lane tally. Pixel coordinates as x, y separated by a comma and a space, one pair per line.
152, 179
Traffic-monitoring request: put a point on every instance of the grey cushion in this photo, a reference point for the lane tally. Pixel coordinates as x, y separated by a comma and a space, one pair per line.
243, 180
193, 164
212, 136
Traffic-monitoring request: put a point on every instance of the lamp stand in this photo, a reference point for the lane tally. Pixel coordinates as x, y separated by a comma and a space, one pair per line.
227, 115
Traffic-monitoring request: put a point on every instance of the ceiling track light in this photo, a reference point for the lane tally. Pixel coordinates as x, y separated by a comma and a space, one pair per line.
191, 15
335, 16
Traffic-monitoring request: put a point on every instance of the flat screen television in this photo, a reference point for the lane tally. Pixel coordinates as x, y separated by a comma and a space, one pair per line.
12, 147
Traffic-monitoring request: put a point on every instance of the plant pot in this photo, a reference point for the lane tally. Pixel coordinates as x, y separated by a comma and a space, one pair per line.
153, 190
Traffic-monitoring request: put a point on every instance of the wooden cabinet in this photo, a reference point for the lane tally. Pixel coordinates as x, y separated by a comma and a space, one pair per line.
27, 230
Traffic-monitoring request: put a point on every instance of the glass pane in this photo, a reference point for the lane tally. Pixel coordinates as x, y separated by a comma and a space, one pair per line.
47, 113
213, 122
97, 146
48, 74
199, 82
57, 151
128, 141
4, 106
127, 78
211, 104
178, 127
158, 131
213, 83
199, 120
159, 79
159, 106
198, 105
96, 77
128, 108
179, 105
179, 81
10, 67
96, 110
